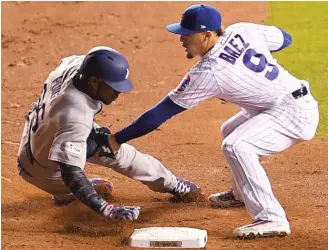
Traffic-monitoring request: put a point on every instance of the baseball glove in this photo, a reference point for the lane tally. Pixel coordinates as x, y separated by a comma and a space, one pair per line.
98, 139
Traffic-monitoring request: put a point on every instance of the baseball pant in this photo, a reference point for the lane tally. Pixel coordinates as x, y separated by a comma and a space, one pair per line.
129, 162
271, 131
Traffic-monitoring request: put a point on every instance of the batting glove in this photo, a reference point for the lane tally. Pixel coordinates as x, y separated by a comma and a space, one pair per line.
121, 213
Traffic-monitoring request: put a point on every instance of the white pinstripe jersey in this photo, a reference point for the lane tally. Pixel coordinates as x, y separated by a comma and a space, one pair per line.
62, 118
239, 69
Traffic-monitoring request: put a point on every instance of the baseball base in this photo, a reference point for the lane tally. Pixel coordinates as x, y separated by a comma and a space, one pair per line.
168, 237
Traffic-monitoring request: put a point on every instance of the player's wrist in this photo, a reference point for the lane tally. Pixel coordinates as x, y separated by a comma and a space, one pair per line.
106, 209
115, 146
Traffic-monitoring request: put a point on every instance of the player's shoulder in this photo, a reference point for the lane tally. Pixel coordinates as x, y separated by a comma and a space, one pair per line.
242, 26
71, 60
251, 28
77, 100
74, 106
66, 64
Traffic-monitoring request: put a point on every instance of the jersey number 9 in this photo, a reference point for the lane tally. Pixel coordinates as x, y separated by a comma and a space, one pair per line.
272, 71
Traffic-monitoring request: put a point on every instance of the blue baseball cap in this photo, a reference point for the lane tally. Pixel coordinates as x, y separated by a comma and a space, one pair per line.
197, 18
110, 65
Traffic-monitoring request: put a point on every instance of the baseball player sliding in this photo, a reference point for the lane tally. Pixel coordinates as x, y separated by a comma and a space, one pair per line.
60, 136
277, 110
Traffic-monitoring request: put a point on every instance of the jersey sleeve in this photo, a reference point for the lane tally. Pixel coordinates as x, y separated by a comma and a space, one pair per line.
195, 87
69, 145
275, 37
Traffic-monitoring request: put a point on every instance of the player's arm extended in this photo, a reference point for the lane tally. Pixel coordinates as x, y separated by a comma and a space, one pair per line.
81, 187
149, 121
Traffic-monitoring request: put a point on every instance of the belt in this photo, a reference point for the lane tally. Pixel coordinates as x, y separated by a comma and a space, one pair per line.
300, 92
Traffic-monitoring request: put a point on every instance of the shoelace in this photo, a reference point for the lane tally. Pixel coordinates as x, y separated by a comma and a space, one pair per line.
182, 186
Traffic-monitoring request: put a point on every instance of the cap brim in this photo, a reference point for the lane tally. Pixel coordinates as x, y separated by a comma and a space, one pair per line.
122, 87
176, 28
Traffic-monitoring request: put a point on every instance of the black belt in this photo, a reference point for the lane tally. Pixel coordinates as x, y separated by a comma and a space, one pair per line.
300, 92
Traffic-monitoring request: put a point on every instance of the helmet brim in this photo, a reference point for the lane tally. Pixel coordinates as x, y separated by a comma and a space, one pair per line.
124, 86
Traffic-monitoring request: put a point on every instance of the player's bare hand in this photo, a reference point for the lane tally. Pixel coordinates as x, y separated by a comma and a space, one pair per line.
113, 143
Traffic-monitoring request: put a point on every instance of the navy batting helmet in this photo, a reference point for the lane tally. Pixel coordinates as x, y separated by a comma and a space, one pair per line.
110, 65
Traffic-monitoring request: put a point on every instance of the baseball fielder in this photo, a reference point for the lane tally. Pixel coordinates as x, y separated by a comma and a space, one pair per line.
277, 110
60, 136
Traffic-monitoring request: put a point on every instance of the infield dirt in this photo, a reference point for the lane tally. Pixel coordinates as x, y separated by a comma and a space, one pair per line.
36, 35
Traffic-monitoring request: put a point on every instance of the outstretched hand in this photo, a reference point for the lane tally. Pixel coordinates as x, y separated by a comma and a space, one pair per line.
121, 213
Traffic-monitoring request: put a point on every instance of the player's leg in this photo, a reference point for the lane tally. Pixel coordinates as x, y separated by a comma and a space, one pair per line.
33, 173
242, 149
146, 169
231, 197
232, 123
264, 134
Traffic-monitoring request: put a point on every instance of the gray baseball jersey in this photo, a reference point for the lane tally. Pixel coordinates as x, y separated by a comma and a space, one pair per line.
62, 118
57, 128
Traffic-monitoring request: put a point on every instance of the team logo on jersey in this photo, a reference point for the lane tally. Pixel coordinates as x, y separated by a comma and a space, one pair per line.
71, 147
184, 83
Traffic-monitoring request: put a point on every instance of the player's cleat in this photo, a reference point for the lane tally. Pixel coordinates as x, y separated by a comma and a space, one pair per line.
185, 191
102, 186
262, 229
183, 187
225, 200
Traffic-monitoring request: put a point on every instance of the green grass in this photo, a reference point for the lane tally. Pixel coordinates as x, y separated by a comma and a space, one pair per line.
307, 57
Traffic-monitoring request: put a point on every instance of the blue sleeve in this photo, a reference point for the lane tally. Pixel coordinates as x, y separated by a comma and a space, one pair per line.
287, 40
149, 121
